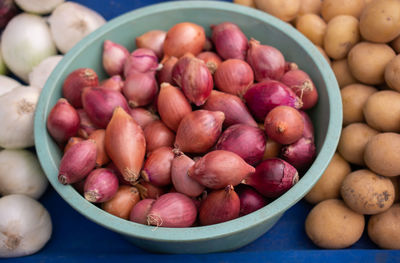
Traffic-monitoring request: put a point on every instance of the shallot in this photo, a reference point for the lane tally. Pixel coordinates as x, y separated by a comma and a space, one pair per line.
122, 202
250, 199
229, 41
114, 57
158, 135
140, 89
300, 154
165, 74
100, 185
153, 40
141, 210
98, 136
157, 167
211, 59
142, 116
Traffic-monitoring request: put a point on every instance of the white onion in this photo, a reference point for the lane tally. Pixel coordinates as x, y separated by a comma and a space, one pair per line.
25, 226
40, 73
26, 41
38, 6
7, 84
70, 22
17, 109
21, 173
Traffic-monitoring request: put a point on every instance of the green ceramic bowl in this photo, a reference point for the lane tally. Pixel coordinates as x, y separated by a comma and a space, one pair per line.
327, 118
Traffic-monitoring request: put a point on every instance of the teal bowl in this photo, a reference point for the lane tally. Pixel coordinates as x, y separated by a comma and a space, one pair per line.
326, 116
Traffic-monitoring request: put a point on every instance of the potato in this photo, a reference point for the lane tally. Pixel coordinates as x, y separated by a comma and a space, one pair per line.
353, 140
332, 8
328, 186
249, 3
324, 54
384, 228
341, 35
367, 61
380, 21
392, 73
310, 6
313, 27
285, 10
366, 192
342, 72
382, 111
354, 97
382, 154
395, 44
331, 224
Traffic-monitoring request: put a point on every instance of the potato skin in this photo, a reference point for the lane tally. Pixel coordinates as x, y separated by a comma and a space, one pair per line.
382, 154
331, 224
392, 73
332, 8
354, 97
382, 111
384, 228
367, 62
313, 27
353, 140
342, 72
380, 21
366, 192
285, 10
310, 6
328, 186
341, 35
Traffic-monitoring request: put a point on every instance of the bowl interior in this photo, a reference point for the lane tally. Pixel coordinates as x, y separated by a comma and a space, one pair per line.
327, 115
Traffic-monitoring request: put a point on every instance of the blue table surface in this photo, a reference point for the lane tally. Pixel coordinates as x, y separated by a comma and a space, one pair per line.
76, 239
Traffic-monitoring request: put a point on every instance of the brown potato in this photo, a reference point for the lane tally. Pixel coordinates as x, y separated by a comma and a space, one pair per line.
332, 8
384, 228
324, 54
380, 21
249, 3
341, 35
310, 7
353, 140
328, 186
331, 224
313, 27
367, 61
342, 72
382, 111
354, 97
392, 73
382, 154
285, 10
366, 192
395, 44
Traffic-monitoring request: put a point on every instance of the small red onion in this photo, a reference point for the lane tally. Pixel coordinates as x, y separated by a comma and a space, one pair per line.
234, 76
140, 89
158, 135
300, 154
208, 45
75, 82
262, 97
267, 62
197, 82
229, 41
220, 206
301, 83
141, 60
165, 74
179, 68
141, 210
246, 141
232, 106
100, 185
99, 104
77, 162
308, 131
113, 83
86, 126
142, 116
153, 40
63, 121
273, 177
250, 199
284, 124
148, 190
111, 166
180, 179
172, 210
114, 57
219, 168
72, 141
211, 59
157, 167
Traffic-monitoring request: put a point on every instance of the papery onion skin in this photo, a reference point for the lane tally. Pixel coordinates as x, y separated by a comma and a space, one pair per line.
154, 40
114, 57
125, 144
99, 136
142, 116
77, 162
99, 104
141, 210
111, 166
158, 135
211, 59
86, 126
229, 41
40, 73
183, 38
220, 206
71, 141
199, 131
172, 105
75, 82
165, 74
157, 167
272, 149
140, 89
250, 199
122, 202
172, 210
246, 141
179, 68
232, 106
300, 154
149, 190
262, 97
63, 121
267, 61
113, 83
141, 60
100, 185
220, 168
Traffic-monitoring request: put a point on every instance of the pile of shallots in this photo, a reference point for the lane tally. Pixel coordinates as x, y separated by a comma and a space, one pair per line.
155, 143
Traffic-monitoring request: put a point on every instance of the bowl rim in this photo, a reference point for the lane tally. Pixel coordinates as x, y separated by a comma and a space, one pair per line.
274, 209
